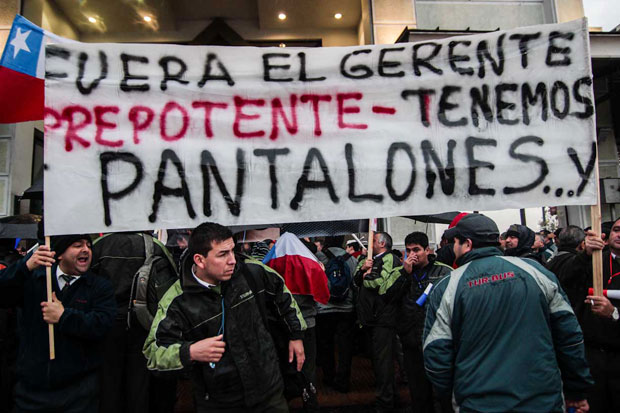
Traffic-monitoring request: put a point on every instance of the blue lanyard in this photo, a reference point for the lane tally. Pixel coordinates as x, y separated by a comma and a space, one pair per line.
221, 330
419, 280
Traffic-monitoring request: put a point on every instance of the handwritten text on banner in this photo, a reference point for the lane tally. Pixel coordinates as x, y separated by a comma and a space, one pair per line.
164, 136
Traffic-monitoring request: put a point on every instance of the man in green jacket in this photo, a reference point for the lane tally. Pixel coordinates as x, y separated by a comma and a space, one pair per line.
376, 308
212, 324
500, 334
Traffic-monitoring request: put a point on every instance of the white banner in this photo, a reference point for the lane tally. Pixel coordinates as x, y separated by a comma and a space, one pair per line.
164, 136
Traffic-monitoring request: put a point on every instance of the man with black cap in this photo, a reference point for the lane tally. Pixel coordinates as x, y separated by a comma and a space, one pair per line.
82, 311
500, 334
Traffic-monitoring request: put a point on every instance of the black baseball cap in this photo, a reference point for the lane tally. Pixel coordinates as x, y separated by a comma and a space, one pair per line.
476, 227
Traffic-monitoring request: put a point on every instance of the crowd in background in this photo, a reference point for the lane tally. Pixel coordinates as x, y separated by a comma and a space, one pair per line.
381, 315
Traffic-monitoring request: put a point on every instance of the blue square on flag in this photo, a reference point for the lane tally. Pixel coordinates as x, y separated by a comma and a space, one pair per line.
23, 47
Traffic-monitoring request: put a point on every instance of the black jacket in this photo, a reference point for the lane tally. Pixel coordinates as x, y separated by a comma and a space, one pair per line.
89, 314
572, 282
118, 256
248, 372
411, 316
598, 332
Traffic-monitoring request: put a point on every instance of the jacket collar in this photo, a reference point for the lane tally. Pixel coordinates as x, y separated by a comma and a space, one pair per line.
570, 250
87, 277
478, 253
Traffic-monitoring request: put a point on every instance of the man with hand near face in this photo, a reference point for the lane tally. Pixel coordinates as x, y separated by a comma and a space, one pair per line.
212, 323
82, 311
420, 269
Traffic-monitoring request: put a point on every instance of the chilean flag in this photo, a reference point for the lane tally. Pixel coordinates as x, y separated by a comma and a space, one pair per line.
301, 270
22, 72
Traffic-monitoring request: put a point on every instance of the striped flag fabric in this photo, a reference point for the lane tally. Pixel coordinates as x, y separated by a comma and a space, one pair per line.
301, 270
22, 72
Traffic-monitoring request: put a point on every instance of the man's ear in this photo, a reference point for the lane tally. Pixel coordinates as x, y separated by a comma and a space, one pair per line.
199, 260
470, 244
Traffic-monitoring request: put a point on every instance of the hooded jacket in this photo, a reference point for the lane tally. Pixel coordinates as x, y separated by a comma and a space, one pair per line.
501, 335
526, 240
248, 372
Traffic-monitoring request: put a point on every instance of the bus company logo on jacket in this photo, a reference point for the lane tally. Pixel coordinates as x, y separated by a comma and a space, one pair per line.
245, 295
492, 278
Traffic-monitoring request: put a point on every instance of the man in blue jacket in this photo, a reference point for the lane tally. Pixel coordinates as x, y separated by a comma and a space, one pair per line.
500, 334
82, 311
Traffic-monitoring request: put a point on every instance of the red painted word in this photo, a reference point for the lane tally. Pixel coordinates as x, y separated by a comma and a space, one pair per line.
250, 118
492, 278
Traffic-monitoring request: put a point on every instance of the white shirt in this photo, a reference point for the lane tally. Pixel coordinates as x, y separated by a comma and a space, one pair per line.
203, 283
61, 282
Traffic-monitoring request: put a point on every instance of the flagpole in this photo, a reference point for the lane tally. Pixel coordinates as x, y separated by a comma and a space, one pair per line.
50, 327
358, 240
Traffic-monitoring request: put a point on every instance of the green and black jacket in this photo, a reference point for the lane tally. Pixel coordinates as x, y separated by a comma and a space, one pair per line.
248, 372
377, 300
411, 316
501, 335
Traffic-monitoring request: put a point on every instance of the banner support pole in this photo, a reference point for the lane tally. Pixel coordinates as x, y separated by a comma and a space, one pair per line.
595, 218
48, 280
371, 236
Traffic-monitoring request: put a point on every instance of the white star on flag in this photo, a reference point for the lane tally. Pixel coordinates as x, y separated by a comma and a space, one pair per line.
19, 42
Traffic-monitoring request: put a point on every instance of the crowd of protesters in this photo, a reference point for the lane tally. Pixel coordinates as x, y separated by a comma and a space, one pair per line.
488, 322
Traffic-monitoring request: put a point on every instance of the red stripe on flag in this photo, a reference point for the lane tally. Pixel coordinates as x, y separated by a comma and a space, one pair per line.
21, 96
302, 276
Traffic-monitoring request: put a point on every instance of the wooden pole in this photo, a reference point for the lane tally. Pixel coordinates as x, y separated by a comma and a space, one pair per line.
595, 218
371, 236
48, 279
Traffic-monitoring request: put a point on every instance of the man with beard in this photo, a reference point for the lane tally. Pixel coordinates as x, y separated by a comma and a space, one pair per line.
519, 242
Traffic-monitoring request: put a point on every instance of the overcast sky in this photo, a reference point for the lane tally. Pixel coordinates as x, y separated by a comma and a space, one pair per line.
602, 13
